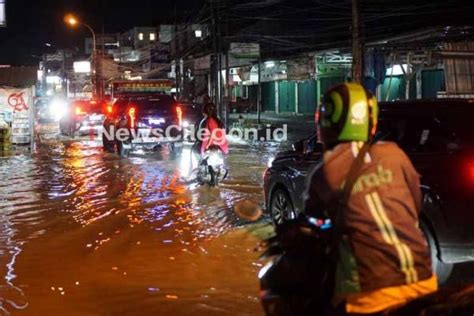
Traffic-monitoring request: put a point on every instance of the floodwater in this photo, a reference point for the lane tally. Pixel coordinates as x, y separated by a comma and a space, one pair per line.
86, 233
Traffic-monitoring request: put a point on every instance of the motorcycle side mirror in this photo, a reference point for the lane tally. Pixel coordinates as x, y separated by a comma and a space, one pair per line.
313, 146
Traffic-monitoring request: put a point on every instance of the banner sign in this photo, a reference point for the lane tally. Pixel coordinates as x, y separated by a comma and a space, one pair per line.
244, 50
141, 87
15, 100
3, 16
19, 102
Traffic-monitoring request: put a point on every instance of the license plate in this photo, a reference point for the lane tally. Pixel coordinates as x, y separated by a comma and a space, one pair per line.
157, 121
146, 140
95, 118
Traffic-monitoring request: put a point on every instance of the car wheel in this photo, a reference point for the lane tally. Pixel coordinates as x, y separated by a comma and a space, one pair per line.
175, 151
63, 128
108, 145
62, 131
443, 270
122, 150
281, 207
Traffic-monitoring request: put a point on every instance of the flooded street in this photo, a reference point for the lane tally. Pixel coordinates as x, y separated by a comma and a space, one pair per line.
86, 233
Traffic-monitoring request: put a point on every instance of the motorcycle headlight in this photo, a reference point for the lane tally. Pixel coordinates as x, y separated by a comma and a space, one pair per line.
265, 269
215, 159
270, 162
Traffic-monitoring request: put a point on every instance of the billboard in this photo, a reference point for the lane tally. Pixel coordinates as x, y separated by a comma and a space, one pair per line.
82, 67
3, 18
140, 87
244, 50
15, 100
17, 105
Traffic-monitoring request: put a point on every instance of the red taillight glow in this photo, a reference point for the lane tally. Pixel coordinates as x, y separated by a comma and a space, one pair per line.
79, 111
179, 113
110, 109
470, 170
316, 116
131, 113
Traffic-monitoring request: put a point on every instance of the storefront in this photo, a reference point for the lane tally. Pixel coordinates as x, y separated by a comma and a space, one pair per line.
17, 93
16, 109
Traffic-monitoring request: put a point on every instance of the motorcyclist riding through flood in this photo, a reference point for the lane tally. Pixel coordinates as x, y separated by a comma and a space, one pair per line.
375, 257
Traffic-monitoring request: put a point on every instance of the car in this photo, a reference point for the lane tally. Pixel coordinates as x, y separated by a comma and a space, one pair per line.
83, 117
147, 119
438, 137
192, 116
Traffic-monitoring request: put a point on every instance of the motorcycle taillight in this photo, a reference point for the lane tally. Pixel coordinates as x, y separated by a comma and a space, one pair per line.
132, 114
179, 114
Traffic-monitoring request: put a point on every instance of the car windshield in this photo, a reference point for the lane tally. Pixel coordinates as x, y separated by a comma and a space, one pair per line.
444, 132
162, 104
157, 103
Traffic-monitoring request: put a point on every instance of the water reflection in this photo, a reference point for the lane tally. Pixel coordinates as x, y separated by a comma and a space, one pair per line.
84, 232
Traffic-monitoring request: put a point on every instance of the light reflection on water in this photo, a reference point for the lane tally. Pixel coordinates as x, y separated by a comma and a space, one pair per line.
85, 233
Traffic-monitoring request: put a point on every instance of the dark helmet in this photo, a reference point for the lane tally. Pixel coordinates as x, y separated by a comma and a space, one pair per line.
210, 109
348, 112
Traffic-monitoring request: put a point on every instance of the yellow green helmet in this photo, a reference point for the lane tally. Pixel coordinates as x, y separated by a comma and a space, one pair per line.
348, 112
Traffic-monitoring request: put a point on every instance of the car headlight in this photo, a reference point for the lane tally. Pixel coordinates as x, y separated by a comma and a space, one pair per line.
58, 108
215, 159
270, 162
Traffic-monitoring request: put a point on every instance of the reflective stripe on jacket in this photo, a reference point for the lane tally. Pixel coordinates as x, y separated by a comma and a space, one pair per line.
382, 244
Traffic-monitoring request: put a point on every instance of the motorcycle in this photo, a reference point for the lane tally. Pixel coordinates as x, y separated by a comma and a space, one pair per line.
211, 168
297, 279
292, 282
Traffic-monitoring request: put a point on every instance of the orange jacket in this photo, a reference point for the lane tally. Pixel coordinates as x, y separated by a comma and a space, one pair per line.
382, 245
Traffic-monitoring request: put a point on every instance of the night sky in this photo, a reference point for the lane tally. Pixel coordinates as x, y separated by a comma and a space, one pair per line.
283, 25
32, 23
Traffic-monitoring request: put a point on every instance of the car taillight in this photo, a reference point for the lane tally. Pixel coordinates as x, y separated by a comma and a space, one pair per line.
179, 113
131, 113
470, 171
79, 111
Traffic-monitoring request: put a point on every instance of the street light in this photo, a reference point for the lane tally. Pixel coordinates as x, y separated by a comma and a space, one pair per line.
73, 21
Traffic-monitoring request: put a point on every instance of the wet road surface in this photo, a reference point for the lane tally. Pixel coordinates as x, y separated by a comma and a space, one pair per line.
83, 232
86, 233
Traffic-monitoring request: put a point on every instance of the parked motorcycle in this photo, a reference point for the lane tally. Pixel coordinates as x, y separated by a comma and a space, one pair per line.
211, 169
297, 279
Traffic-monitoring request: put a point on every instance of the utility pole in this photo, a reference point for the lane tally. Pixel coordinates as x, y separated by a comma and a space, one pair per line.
226, 103
64, 74
219, 68
357, 44
101, 64
217, 62
259, 88
228, 87
177, 57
